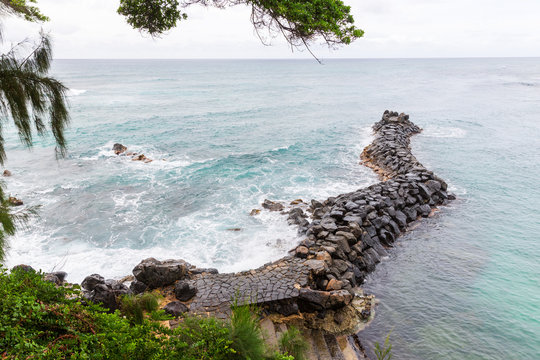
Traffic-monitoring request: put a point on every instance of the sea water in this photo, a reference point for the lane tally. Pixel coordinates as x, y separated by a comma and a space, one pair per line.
226, 134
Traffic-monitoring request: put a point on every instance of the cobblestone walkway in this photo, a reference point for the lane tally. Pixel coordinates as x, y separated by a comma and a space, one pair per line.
276, 281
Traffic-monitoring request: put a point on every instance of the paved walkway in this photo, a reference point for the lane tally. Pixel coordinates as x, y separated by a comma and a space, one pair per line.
276, 281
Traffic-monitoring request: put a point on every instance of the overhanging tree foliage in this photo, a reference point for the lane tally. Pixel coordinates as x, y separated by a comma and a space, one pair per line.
34, 101
299, 21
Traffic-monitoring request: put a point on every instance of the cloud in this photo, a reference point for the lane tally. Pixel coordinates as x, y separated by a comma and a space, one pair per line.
394, 28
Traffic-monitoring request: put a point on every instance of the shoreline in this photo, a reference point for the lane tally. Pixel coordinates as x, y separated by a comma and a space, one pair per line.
344, 238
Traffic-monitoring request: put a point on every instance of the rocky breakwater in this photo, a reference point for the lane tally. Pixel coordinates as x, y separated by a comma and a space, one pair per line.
351, 232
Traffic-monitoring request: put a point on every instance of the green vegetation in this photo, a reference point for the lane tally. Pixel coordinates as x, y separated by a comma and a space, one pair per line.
34, 101
23, 8
299, 21
384, 352
292, 343
41, 320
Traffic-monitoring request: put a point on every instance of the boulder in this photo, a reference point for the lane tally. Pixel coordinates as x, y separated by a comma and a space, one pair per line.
316, 300
103, 292
61, 275
302, 252
184, 291
272, 206
175, 308
6, 173
91, 281
138, 287
119, 148
22, 267
155, 273
52, 278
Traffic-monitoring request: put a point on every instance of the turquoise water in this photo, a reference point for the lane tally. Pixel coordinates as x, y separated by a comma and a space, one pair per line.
225, 135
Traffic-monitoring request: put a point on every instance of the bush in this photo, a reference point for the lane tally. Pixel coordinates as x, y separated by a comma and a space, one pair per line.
292, 343
42, 321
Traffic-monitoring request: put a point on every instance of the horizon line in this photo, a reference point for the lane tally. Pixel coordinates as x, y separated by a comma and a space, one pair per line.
330, 58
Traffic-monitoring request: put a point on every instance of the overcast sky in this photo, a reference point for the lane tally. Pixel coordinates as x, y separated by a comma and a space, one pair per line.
394, 28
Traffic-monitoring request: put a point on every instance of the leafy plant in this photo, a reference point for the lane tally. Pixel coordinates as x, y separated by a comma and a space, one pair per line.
40, 320
292, 343
384, 352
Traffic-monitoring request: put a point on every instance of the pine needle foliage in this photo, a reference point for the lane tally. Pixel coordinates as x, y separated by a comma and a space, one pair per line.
246, 334
384, 352
291, 342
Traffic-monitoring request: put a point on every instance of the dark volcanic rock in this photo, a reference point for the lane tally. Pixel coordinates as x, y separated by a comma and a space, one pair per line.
23, 267
175, 308
138, 287
104, 292
91, 281
155, 273
184, 291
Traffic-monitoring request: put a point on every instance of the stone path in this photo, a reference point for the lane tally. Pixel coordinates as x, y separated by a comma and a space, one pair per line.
273, 282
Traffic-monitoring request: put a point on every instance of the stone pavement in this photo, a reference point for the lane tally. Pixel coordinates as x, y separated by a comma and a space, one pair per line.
272, 282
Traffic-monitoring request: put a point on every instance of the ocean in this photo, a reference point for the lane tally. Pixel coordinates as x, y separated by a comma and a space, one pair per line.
226, 134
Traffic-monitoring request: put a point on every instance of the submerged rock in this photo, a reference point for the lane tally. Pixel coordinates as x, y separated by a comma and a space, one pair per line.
6, 173
272, 206
119, 148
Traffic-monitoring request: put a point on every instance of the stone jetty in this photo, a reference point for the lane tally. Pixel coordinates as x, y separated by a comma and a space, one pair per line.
316, 286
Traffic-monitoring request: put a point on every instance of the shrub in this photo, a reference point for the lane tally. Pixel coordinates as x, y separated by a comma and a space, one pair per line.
39, 320
292, 343
246, 332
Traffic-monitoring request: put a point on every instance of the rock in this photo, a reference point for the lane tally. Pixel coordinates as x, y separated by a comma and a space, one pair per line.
57, 277
234, 229
137, 287
424, 210
297, 202
22, 267
119, 148
52, 278
105, 293
324, 255
155, 273
61, 275
6, 173
334, 285
14, 201
197, 271
317, 267
91, 281
254, 212
272, 206
175, 308
184, 291
329, 224
302, 252
310, 300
